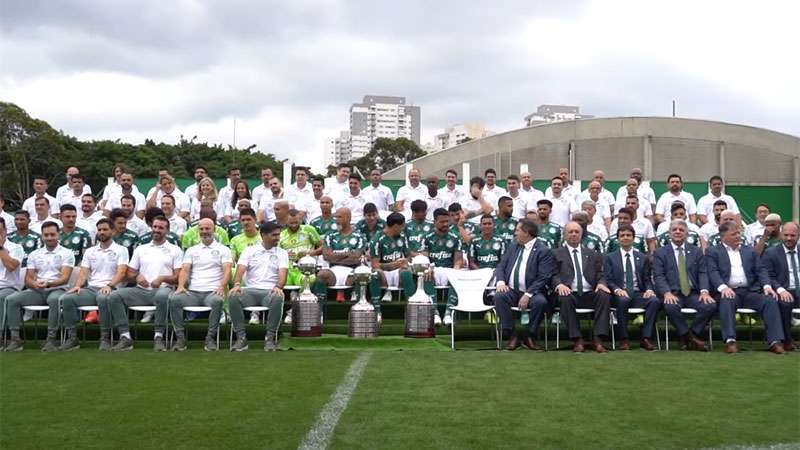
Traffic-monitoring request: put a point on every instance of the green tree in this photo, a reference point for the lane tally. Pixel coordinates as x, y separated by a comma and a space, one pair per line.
386, 154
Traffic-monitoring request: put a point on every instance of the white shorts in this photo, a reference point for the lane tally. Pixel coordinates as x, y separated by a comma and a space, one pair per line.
392, 277
341, 272
439, 278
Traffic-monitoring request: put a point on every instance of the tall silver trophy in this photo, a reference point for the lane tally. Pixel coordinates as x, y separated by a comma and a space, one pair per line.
419, 310
306, 310
363, 320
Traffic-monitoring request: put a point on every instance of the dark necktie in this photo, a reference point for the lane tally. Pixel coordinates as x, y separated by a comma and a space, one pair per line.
629, 275
795, 273
515, 282
578, 271
683, 275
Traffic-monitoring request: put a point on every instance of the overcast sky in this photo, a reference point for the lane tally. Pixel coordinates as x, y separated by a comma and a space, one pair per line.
287, 71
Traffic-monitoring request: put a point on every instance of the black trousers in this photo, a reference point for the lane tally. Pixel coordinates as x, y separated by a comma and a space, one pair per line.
599, 301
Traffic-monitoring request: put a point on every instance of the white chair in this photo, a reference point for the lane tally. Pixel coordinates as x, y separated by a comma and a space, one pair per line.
392, 290
260, 310
194, 309
748, 312
140, 309
469, 286
631, 312
544, 319
578, 312
37, 310
687, 311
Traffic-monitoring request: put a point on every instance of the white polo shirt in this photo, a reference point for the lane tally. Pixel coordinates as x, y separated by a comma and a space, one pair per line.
408, 194
138, 226
753, 231
153, 260
642, 227
456, 195
177, 225
115, 200
10, 226
69, 198
257, 193
30, 205
206, 261
103, 263
298, 197
493, 195
36, 224
64, 188
433, 204
263, 265
521, 205
667, 199
267, 204
563, 207
381, 196
336, 190
646, 196
355, 204
48, 263
11, 279
182, 201
705, 205
89, 223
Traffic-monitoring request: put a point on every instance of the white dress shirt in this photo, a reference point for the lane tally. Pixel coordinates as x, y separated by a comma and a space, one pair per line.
623, 254
493, 194
381, 196
705, 206
523, 267
574, 286
206, 262
796, 250
738, 278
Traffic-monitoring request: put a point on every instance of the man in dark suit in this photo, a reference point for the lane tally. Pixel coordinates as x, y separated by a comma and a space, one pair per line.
741, 281
580, 283
522, 276
681, 281
783, 266
628, 272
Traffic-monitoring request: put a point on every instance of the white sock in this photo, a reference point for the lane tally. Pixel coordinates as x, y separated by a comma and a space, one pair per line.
158, 335
125, 335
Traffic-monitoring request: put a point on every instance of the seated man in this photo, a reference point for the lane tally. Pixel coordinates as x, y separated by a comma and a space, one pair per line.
522, 275
580, 282
11, 256
372, 224
589, 239
416, 228
486, 250
263, 268
771, 236
460, 225
443, 248
155, 267
207, 268
741, 281
678, 212
681, 281
46, 279
343, 250
104, 267
628, 272
640, 242
548, 232
783, 266
390, 257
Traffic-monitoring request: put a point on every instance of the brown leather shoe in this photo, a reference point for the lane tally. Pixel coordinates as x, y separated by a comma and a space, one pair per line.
597, 344
530, 344
788, 345
645, 344
513, 343
578, 346
696, 343
777, 348
625, 345
731, 347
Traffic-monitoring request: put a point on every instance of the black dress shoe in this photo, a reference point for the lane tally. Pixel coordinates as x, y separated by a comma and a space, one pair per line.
513, 343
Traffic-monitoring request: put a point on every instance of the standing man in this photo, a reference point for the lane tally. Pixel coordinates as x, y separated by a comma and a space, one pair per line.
580, 282
675, 194
259, 191
11, 257
343, 250
226, 193
354, 200
378, 194
10, 227
104, 268
706, 203
266, 204
597, 192
312, 207
452, 192
681, 281
505, 225
521, 200
88, 216
741, 281
711, 227
155, 267
645, 193
40, 191
72, 172
783, 267
548, 232
339, 187
414, 190
46, 279
200, 172
491, 191
522, 276
756, 229
264, 269
567, 188
629, 272
42, 215
300, 192
533, 194
75, 239
126, 187
563, 204
207, 268
75, 192
433, 198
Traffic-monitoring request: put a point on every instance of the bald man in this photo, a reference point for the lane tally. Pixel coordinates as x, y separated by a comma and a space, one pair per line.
647, 197
599, 194
414, 190
783, 265
771, 236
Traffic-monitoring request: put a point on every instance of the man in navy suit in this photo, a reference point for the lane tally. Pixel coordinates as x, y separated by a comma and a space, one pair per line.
522, 276
783, 266
681, 281
741, 281
580, 282
628, 273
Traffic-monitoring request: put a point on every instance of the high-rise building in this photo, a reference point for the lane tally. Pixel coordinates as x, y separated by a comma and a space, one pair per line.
554, 113
460, 133
337, 149
380, 116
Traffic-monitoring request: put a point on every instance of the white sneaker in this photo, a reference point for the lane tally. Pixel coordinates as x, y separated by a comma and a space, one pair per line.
148, 317
437, 320
379, 318
222, 319
288, 319
27, 316
448, 318
254, 318
795, 322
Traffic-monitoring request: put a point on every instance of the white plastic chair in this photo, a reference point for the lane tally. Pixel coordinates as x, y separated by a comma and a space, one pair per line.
194, 309
578, 311
687, 311
748, 312
631, 312
469, 285
141, 309
37, 310
255, 309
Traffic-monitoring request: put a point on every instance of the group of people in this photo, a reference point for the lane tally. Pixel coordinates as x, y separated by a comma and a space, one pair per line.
563, 248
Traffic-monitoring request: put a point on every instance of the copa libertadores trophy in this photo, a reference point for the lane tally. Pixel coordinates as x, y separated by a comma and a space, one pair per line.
419, 311
363, 320
306, 311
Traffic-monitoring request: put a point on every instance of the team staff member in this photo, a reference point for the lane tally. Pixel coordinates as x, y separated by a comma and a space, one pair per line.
675, 194
207, 269
706, 203
414, 190
46, 279
783, 267
155, 267
104, 267
378, 194
11, 256
264, 269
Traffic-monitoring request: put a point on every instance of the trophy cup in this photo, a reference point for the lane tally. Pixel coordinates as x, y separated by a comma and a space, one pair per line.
306, 312
363, 320
419, 310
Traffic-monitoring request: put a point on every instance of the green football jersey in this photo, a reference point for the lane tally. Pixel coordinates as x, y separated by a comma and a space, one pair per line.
692, 238
192, 237
612, 244
441, 248
504, 229
305, 239
389, 249
172, 238
29, 243
593, 241
362, 228
241, 242
77, 242
234, 229
487, 252
340, 243
471, 228
414, 233
324, 226
550, 234
129, 240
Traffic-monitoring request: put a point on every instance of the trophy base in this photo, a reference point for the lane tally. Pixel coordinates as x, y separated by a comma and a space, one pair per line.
419, 321
311, 332
306, 319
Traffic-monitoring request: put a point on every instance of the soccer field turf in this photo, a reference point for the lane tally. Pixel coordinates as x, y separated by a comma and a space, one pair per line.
404, 399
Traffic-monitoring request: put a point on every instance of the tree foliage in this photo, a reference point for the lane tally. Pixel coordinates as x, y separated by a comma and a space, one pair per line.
386, 154
30, 146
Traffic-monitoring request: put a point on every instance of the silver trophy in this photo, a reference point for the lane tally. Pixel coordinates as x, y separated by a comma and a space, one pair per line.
363, 317
420, 265
306, 311
420, 307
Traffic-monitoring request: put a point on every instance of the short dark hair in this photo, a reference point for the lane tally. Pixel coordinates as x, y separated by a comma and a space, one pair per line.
395, 218
454, 207
22, 212
354, 176
208, 213
268, 227
168, 196
247, 212
200, 167
544, 201
504, 198
88, 195
77, 177
128, 197
764, 205
50, 224
513, 177
343, 166
487, 216
449, 171
715, 177
721, 202
39, 177
438, 212
301, 169
477, 180
725, 227
626, 210
632, 196
626, 228
318, 178
674, 175
104, 221
556, 178
231, 169
418, 206
370, 208
489, 171
293, 212
67, 207
676, 206
117, 213
151, 213
529, 226
47, 200
161, 218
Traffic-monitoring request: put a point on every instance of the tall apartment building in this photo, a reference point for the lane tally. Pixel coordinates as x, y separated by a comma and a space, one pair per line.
380, 116
458, 134
554, 113
337, 149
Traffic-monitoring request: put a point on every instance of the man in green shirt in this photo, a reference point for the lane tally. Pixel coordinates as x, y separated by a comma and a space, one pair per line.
75, 239
372, 224
299, 240
343, 250
486, 250
24, 236
444, 251
505, 224
549, 232
324, 224
122, 235
249, 236
192, 235
149, 215
625, 217
390, 258
589, 239
459, 224
416, 228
